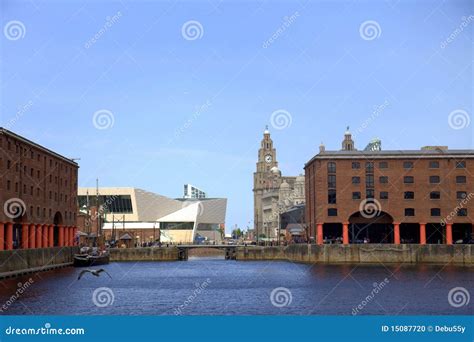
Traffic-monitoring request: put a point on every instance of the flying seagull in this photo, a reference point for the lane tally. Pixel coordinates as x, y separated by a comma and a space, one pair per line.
93, 272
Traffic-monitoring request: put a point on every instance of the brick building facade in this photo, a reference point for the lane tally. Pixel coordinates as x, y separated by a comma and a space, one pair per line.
411, 196
38, 195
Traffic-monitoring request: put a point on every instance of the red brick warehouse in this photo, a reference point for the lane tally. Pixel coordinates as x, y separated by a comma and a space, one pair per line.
421, 196
38, 190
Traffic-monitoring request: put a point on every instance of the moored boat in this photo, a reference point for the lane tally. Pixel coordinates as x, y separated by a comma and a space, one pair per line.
86, 260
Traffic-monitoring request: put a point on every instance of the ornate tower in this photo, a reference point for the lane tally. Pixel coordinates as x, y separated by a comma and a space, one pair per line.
266, 178
348, 143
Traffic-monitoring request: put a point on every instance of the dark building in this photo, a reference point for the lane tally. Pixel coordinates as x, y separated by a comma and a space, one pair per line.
292, 223
403, 196
38, 190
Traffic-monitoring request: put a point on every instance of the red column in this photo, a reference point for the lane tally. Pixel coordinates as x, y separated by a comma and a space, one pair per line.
9, 236
24, 236
71, 236
396, 231
38, 236
45, 236
449, 234
32, 240
74, 233
68, 236
345, 233
319, 234
65, 236
2, 237
51, 235
422, 233
61, 236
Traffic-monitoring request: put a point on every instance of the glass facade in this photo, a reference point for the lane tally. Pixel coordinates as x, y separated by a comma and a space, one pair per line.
177, 225
208, 227
115, 204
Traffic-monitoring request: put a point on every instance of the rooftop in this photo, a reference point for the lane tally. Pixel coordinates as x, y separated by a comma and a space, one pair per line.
423, 153
38, 146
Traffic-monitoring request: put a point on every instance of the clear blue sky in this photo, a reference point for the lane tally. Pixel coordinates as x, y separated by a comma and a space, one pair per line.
319, 68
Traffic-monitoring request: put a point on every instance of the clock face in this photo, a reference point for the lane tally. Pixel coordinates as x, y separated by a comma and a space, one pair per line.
268, 158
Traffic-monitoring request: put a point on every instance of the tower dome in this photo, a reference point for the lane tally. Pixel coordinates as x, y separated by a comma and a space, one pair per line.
284, 185
275, 170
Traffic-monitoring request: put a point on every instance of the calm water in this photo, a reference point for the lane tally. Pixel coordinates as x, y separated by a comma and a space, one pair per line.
219, 287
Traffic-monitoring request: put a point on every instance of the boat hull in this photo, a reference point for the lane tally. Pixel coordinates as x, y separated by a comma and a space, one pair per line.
88, 261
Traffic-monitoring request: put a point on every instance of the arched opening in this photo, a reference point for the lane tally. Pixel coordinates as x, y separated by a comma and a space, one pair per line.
409, 233
332, 233
462, 233
374, 228
17, 230
434, 233
58, 220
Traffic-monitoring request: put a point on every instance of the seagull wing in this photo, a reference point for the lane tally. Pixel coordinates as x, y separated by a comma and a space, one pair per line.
102, 270
82, 273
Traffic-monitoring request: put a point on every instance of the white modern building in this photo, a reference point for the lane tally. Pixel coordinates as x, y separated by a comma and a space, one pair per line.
190, 191
149, 216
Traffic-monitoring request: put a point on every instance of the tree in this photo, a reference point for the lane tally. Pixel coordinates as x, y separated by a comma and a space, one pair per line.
237, 233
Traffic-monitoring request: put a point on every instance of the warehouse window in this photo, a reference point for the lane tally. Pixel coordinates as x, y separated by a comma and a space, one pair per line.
332, 196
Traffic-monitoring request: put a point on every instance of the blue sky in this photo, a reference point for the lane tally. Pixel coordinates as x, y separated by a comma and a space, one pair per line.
189, 110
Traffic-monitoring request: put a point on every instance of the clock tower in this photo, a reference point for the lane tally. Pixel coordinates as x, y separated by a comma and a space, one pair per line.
266, 178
